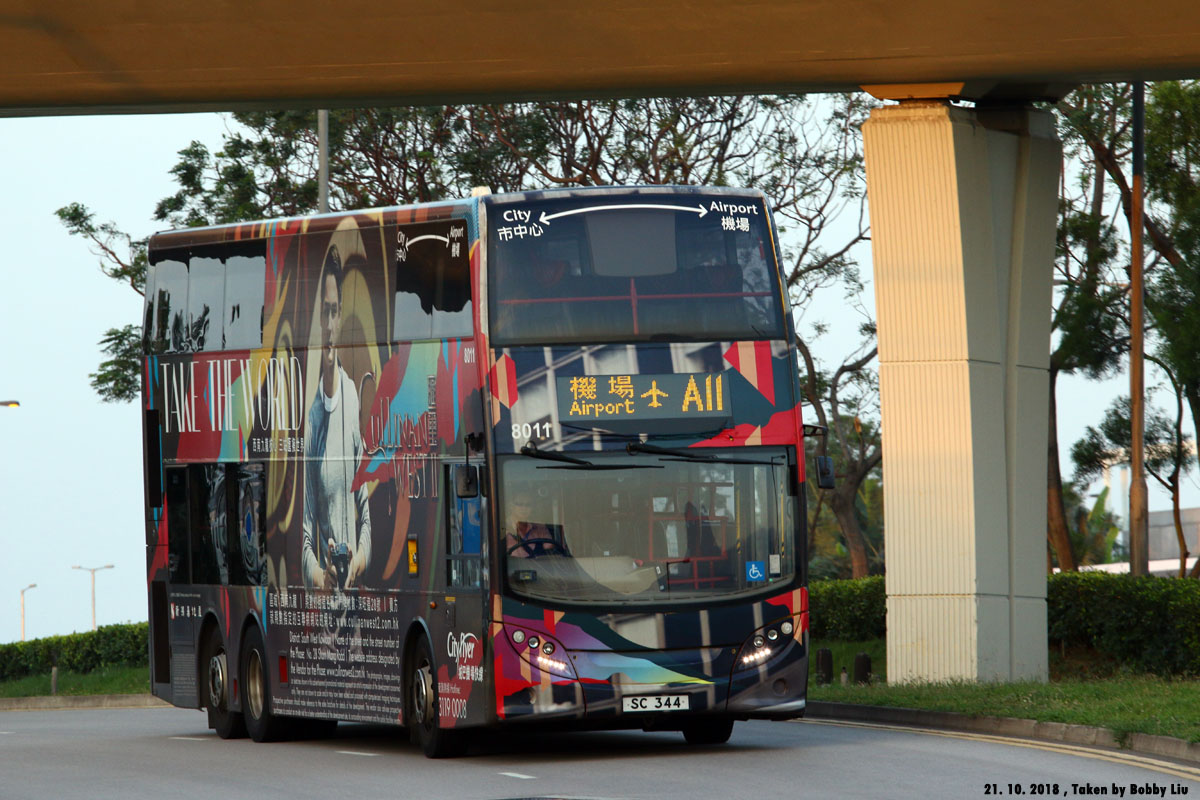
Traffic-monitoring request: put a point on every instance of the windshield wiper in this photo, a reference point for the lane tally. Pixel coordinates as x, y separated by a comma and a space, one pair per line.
689, 455
642, 447
587, 465
529, 449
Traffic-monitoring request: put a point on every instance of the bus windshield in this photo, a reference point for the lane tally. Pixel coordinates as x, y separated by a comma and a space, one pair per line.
615, 528
600, 268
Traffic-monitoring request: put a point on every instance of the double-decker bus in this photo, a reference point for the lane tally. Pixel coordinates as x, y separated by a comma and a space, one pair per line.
506, 460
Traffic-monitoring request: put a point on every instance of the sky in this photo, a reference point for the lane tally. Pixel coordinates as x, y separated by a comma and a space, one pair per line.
71, 475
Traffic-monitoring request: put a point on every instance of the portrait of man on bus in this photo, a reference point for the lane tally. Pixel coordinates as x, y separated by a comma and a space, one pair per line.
337, 521
526, 538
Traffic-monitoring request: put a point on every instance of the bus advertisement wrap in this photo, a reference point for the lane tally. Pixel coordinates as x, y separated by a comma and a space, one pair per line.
477, 462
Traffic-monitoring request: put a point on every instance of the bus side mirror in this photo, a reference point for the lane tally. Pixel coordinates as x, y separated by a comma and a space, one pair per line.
466, 480
825, 478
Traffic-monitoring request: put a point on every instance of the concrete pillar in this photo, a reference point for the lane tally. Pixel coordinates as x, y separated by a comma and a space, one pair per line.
963, 209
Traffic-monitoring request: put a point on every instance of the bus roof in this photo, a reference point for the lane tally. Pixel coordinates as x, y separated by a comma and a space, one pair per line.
263, 229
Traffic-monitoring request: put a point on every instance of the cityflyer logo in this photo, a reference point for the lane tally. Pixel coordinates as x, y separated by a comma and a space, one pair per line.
464, 650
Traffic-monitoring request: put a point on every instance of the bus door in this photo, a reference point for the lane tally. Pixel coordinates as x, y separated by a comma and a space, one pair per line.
184, 604
459, 630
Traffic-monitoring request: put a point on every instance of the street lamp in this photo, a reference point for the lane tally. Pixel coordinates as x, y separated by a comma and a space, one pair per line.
94, 570
23, 591
9, 403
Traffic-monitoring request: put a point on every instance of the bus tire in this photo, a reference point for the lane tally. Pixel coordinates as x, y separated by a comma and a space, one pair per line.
214, 662
708, 730
261, 724
423, 716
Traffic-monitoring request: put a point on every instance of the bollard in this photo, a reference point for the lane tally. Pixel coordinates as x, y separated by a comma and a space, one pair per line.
824, 666
54, 680
862, 668
845, 677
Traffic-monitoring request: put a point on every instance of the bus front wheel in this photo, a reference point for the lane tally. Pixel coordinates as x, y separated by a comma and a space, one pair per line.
423, 716
215, 663
262, 725
712, 730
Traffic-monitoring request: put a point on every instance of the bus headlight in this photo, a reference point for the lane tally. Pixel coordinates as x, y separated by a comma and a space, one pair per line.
553, 665
768, 642
539, 650
756, 656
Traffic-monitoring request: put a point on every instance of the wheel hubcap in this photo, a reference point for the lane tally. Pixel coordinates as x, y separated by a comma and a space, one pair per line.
254, 684
422, 692
216, 681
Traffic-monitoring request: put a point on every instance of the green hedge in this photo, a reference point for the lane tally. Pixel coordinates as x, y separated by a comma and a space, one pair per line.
1146, 624
111, 645
852, 610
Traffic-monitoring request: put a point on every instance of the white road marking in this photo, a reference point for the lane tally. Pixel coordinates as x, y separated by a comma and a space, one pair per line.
5, 733
356, 753
1116, 757
519, 775
189, 739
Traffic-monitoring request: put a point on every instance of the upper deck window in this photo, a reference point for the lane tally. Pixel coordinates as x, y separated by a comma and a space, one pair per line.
433, 280
206, 298
632, 268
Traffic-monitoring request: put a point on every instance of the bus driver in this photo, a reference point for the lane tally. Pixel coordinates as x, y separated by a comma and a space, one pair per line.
527, 539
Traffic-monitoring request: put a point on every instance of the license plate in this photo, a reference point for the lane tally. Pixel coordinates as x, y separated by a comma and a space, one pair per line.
656, 702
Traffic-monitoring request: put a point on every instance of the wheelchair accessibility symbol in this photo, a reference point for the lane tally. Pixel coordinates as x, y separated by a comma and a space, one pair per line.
756, 571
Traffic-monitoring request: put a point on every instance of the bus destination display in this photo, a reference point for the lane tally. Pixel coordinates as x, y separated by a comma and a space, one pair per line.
672, 396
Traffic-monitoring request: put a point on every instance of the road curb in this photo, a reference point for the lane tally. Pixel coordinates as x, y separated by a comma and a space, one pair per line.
1165, 746
60, 702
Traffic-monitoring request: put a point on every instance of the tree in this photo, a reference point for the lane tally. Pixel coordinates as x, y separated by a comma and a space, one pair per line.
1090, 329
1171, 224
1166, 454
1094, 529
123, 259
805, 155
850, 393
1173, 181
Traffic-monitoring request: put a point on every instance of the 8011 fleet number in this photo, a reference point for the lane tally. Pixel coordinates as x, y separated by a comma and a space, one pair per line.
534, 430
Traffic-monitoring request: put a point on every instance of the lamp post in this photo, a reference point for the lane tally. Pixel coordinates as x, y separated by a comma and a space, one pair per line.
23, 591
94, 570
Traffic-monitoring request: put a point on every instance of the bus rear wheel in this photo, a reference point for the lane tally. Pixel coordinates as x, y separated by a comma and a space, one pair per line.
423, 712
262, 725
711, 730
215, 663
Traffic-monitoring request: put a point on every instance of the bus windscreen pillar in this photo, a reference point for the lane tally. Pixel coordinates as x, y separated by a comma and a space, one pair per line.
963, 209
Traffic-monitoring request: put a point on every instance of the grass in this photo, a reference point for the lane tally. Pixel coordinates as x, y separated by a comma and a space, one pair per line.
1083, 690
108, 680
1132, 704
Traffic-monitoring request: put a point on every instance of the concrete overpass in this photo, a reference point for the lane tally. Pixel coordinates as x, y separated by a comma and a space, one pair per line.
63, 56
962, 200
